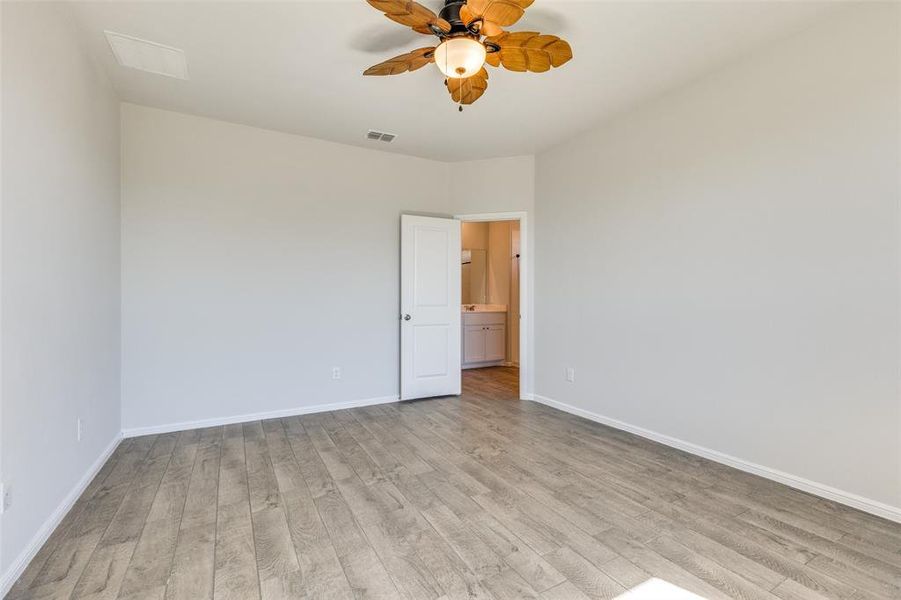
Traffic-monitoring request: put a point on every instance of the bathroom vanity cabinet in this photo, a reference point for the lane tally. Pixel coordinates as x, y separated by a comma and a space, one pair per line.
484, 339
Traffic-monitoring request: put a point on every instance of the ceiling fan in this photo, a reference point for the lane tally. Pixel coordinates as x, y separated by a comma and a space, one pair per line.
471, 35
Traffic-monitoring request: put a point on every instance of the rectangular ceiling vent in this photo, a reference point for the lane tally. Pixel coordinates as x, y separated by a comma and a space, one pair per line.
380, 136
148, 56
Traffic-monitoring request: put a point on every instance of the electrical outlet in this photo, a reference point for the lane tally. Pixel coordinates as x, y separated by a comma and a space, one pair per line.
336, 372
6, 497
78, 429
570, 374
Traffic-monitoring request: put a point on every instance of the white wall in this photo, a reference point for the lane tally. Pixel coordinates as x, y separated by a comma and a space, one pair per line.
493, 185
253, 262
503, 185
721, 265
60, 267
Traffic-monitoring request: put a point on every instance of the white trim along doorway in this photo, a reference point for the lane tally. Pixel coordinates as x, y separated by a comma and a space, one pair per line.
525, 291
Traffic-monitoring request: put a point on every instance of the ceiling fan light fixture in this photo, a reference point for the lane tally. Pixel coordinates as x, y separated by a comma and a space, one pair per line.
460, 57
471, 35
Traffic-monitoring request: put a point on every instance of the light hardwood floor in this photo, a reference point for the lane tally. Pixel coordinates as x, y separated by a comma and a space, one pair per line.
482, 496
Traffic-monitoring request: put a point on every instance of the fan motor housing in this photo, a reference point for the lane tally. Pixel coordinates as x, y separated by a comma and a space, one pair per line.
451, 14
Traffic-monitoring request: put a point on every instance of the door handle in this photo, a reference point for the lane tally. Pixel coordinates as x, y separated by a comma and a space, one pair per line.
407, 317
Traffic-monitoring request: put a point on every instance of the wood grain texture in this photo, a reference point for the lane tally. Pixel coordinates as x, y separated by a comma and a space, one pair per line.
530, 51
482, 496
410, 61
470, 89
412, 14
501, 13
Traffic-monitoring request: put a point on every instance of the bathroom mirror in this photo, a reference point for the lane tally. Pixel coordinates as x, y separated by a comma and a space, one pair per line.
474, 276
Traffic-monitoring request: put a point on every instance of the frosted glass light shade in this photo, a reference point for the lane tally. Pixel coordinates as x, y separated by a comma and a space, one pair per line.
460, 57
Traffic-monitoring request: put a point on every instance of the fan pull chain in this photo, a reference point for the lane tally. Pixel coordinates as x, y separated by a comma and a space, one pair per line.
460, 72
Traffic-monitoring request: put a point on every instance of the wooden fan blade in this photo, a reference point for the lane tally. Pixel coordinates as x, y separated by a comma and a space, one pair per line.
493, 59
412, 14
467, 91
531, 51
466, 15
403, 63
501, 12
491, 29
487, 28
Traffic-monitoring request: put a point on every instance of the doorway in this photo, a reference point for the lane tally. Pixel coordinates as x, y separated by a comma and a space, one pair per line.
493, 298
496, 324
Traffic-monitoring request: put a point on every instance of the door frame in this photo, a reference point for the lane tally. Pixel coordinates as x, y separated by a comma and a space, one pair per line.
525, 290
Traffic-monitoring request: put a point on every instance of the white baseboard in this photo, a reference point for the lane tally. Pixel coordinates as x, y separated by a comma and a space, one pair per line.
880, 509
274, 414
18, 566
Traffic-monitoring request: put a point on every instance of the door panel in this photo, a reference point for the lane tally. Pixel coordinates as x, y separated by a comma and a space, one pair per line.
430, 280
430, 307
430, 350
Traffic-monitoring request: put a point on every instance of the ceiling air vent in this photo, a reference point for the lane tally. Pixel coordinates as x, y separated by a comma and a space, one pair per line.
148, 56
380, 135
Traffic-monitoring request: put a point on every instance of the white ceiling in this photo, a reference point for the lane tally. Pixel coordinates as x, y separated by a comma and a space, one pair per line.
296, 67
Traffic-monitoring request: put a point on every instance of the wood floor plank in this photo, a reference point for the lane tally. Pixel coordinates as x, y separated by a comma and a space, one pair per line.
313, 470
103, 575
261, 480
708, 570
656, 565
359, 460
234, 571
337, 466
565, 591
272, 540
367, 575
753, 571
396, 547
193, 568
321, 569
590, 580
448, 568
762, 551
151, 562
839, 553
152, 559
472, 550
61, 573
790, 590
481, 496
534, 569
74, 556
860, 579
288, 587
89, 514
508, 585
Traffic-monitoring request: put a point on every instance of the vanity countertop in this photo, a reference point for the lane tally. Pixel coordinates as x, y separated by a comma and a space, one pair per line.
483, 308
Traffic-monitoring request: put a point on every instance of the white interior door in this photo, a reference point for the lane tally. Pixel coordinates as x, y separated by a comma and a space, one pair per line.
430, 307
